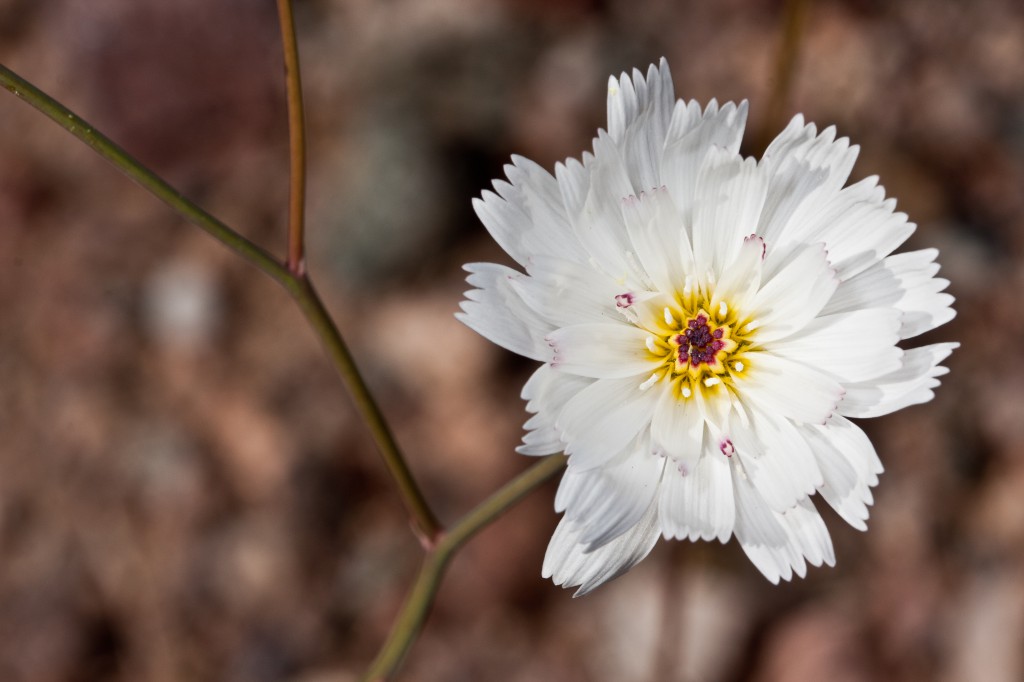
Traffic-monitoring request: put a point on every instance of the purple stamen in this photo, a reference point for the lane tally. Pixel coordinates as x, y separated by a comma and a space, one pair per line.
625, 300
698, 343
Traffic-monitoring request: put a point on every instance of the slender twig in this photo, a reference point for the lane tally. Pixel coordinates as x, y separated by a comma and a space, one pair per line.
297, 140
149, 180
299, 286
794, 17
414, 612
425, 524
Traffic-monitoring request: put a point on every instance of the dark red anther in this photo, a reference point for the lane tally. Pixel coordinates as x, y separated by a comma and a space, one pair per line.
701, 342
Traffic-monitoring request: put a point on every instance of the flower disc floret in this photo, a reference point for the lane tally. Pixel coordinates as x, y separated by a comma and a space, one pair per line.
697, 349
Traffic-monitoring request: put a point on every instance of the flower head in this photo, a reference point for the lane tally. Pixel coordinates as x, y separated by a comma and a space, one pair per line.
707, 325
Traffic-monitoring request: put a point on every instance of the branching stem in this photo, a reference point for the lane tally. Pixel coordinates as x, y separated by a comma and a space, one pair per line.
297, 284
417, 605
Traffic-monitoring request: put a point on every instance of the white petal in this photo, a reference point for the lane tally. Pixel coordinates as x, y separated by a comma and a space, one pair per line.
601, 228
874, 287
741, 279
854, 346
729, 196
777, 459
843, 486
794, 292
715, 405
922, 300
853, 443
687, 116
677, 429
573, 180
573, 489
789, 389
859, 226
622, 105
807, 172
690, 137
602, 419
926, 307
568, 563
807, 530
565, 292
805, 540
800, 143
911, 384
540, 439
656, 229
808, 539
606, 501
905, 281
506, 222
539, 195
789, 186
497, 312
528, 215
602, 350
699, 504
547, 391
756, 524
639, 111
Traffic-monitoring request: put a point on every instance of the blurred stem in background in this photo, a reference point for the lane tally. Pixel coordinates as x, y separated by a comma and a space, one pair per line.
296, 141
794, 18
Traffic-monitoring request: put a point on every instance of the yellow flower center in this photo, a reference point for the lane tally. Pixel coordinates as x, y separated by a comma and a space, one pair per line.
702, 344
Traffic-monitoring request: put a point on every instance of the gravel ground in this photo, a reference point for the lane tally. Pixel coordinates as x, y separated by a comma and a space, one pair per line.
186, 493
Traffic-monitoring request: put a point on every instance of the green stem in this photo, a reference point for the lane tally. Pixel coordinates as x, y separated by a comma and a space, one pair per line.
149, 180
297, 140
414, 612
298, 285
425, 524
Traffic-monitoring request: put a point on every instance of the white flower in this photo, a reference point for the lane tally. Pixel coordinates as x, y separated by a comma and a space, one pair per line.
708, 324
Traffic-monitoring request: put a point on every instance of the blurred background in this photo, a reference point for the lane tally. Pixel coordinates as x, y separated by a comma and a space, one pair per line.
186, 493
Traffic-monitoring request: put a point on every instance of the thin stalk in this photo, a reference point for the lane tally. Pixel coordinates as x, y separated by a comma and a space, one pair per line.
149, 180
794, 18
298, 285
297, 140
417, 605
425, 524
